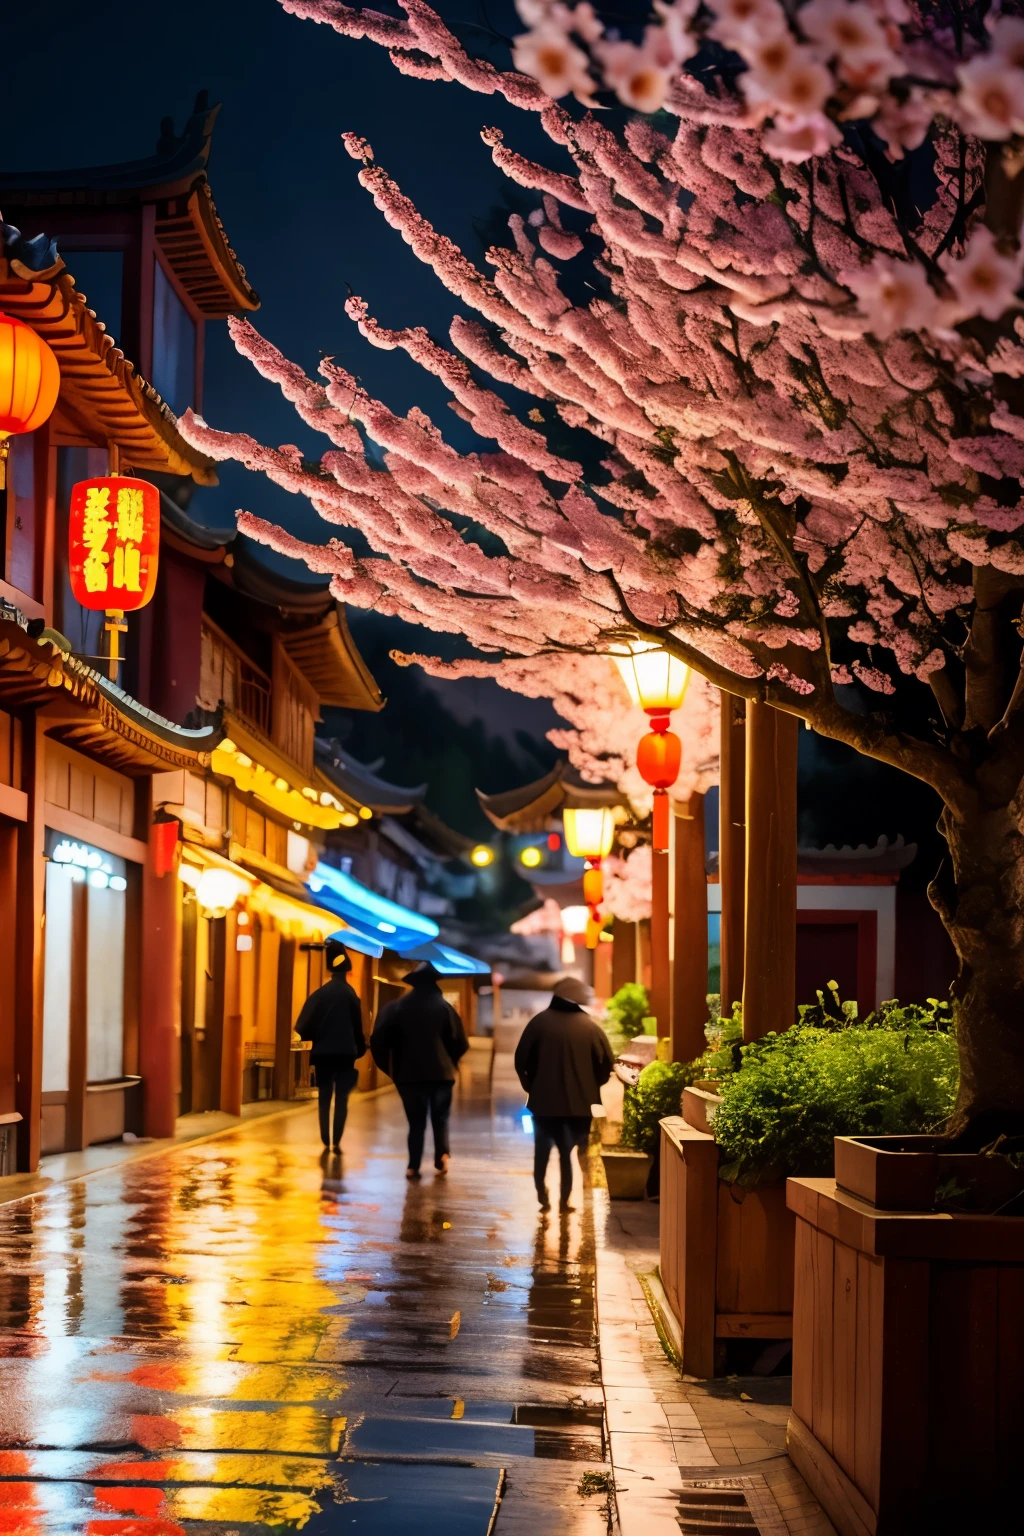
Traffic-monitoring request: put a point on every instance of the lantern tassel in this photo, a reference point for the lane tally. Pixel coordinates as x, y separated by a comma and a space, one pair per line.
659, 821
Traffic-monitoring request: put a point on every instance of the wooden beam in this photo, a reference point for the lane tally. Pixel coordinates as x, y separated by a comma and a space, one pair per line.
769, 973
160, 1016
732, 820
84, 830
690, 937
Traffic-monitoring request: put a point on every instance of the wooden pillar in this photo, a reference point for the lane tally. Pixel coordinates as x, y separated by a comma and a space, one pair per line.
769, 975
690, 937
643, 952
160, 1014
732, 840
231, 1056
28, 959
661, 954
603, 970
623, 953
283, 1088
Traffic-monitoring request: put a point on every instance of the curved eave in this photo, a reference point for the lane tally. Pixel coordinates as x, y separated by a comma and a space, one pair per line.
101, 720
102, 398
532, 807
329, 659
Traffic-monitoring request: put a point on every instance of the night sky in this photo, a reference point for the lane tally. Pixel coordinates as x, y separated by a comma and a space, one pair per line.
306, 232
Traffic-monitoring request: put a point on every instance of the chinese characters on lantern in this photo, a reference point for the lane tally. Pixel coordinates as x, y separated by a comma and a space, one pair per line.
114, 542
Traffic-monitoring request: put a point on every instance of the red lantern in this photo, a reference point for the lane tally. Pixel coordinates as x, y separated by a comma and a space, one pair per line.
163, 841
114, 543
659, 757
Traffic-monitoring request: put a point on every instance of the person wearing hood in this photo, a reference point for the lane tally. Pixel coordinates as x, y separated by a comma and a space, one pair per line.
332, 1018
418, 1040
562, 1060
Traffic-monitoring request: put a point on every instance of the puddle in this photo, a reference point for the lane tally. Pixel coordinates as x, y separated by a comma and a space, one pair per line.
452, 1428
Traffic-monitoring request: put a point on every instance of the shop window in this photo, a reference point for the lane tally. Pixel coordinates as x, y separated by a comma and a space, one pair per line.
60, 884
174, 345
77, 872
105, 1042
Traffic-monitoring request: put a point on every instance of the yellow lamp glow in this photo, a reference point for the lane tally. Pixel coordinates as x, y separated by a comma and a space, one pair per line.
349, 820
365, 812
218, 890
589, 832
530, 857
482, 856
656, 681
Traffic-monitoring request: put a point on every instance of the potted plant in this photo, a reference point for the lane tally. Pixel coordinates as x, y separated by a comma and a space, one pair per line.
727, 1240
656, 1093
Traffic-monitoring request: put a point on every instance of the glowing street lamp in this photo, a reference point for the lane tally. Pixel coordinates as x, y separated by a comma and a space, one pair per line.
657, 684
481, 856
588, 835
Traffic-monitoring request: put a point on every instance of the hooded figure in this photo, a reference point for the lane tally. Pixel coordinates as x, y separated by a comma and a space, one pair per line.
332, 1018
562, 1060
418, 1041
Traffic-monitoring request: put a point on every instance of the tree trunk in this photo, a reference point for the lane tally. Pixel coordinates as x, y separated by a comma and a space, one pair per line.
979, 894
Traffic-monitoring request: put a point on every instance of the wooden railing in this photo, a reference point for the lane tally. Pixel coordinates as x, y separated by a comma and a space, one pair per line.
227, 675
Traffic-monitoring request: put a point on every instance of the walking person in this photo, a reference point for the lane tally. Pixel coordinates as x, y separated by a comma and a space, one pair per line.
418, 1041
562, 1060
332, 1018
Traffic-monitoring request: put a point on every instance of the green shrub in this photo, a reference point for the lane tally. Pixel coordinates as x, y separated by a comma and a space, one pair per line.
895, 1072
627, 1009
724, 1037
656, 1095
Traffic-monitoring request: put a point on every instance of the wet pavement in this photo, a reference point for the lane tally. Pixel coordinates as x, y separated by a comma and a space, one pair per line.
238, 1337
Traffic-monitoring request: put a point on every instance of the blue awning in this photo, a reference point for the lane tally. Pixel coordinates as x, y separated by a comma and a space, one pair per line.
385, 922
448, 961
362, 943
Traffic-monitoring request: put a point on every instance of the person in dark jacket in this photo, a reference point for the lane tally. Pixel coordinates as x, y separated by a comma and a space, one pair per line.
563, 1058
418, 1041
332, 1018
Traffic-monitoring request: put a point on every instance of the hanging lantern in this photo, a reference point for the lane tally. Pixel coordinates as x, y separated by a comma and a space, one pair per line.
589, 833
163, 842
657, 683
659, 756
655, 679
114, 543
29, 383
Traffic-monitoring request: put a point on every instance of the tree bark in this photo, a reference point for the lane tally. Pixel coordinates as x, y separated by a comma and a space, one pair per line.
979, 894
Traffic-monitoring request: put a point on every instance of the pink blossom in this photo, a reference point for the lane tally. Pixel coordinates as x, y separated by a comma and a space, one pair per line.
784, 76
1007, 34
745, 21
638, 75
991, 98
559, 67
984, 280
847, 30
799, 138
894, 296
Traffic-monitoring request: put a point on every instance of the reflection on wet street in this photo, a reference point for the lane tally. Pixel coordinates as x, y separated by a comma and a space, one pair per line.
240, 1337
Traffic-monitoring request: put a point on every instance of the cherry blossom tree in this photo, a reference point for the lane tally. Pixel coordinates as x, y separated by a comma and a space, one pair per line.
801, 368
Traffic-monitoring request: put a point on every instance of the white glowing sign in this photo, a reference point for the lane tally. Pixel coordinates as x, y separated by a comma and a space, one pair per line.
89, 864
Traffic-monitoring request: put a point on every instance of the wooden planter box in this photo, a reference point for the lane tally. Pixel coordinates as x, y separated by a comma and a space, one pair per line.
908, 1351
726, 1252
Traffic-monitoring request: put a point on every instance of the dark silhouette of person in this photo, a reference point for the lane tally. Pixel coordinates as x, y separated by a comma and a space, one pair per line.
332, 1018
418, 1040
562, 1060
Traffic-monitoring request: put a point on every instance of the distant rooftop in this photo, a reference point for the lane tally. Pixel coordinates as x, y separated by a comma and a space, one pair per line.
174, 179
